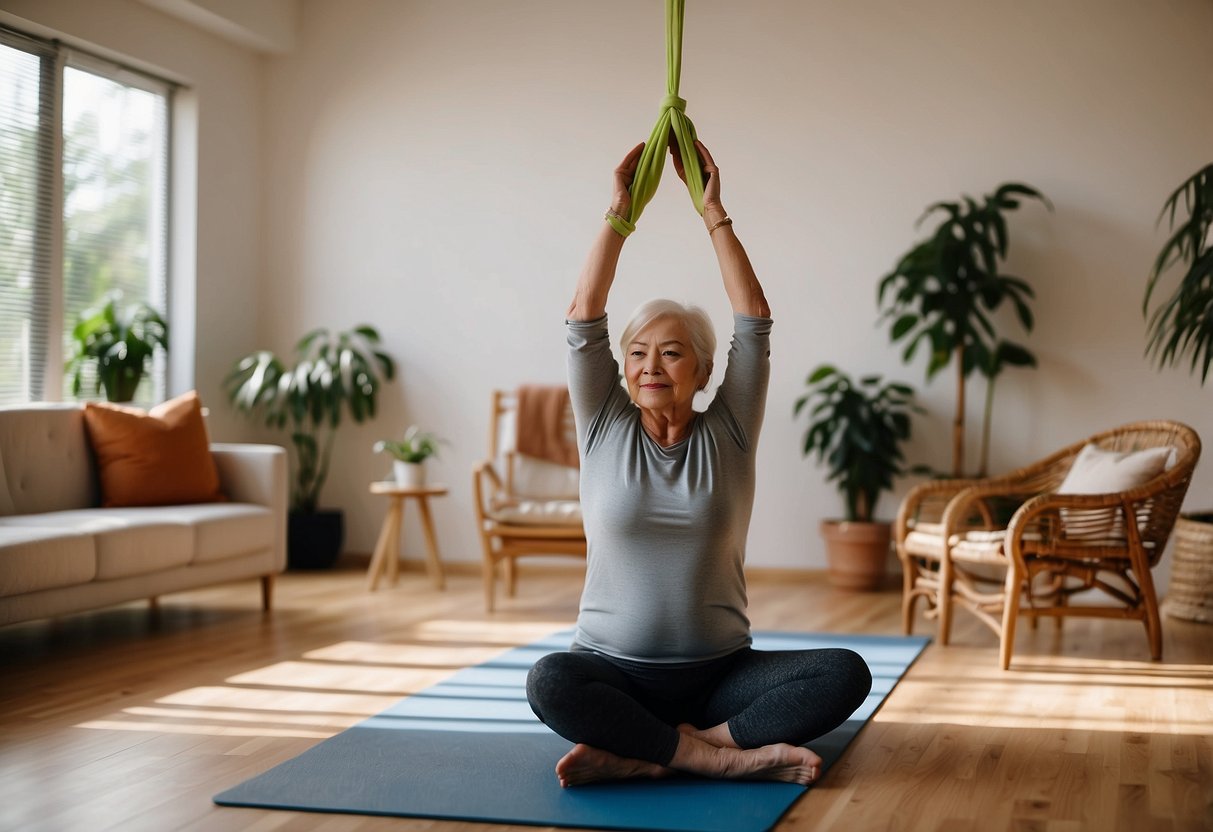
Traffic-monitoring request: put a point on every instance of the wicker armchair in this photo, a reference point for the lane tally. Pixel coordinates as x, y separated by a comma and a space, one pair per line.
1011, 546
523, 506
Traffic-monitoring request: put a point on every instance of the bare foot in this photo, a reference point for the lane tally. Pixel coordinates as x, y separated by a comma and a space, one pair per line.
718, 735
586, 764
781, 762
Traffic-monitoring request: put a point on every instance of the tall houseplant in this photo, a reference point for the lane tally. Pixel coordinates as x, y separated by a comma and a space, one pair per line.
117, 342
1180, 329
856, 429
332, 375
945, 291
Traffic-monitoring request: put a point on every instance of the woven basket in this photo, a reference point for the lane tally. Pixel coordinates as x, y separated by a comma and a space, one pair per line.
1191, 594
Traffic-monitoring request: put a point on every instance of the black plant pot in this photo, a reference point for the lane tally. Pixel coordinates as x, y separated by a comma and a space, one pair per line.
313, 539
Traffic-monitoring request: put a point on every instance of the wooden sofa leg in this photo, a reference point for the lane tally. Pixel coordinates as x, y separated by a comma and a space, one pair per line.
267, 592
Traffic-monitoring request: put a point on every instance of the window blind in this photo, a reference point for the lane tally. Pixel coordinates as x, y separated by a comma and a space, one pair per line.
84, 173
27, 182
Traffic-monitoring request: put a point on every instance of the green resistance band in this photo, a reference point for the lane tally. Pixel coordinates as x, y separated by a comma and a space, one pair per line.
673, 117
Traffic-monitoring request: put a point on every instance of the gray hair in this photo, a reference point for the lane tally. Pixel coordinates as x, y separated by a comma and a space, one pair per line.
697, 322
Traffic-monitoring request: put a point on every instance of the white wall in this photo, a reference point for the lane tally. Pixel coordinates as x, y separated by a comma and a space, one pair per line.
220, 113
438, 168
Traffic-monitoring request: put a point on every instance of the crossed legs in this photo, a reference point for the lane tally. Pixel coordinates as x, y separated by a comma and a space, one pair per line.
744, 716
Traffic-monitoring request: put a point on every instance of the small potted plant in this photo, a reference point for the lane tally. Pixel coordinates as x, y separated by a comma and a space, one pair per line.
117, 343
409, 455
856, 430
333, 374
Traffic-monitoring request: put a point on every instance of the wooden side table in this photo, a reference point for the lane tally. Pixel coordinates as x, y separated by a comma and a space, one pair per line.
386, 560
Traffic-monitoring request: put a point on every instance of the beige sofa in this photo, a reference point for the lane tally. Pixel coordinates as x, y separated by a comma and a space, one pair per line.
60, 553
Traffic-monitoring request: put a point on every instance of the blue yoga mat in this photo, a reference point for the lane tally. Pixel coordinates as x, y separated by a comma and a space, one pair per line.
470, 749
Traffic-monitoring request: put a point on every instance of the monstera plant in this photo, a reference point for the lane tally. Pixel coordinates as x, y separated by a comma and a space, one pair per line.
331, 376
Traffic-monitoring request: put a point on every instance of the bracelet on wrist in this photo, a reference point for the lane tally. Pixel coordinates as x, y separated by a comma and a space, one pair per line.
719, 224
618, 222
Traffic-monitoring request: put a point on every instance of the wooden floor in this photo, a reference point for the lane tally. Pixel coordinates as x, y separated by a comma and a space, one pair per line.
120, 720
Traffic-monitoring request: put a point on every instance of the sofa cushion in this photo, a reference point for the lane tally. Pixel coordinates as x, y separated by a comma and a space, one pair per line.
225, 530
47, 464
33, 559
129, 541
158, 457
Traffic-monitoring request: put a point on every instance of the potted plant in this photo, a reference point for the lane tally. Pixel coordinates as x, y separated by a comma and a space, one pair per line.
856, 430
945, 292
409, 455
114, 345
333, 374
1181, 328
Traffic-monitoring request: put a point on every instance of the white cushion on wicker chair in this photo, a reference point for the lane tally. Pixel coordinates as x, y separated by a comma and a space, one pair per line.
1096, 471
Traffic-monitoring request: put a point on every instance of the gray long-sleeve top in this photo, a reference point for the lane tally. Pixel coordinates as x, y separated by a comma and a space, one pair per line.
666, 527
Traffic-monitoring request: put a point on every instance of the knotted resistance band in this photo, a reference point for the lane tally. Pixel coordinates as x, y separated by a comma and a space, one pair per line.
673, 117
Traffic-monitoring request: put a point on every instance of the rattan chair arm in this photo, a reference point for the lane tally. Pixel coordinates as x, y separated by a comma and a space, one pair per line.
910, 504
1041, 516
972, 500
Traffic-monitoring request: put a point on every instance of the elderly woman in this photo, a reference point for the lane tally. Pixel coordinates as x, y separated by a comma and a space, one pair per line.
661, 676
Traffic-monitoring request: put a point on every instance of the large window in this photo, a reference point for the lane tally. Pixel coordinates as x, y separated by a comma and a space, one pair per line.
83, 207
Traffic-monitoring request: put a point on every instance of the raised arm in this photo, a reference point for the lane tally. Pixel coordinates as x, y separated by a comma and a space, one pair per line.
740, 282
598, 273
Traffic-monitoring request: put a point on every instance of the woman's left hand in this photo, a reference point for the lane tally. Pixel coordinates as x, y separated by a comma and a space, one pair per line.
711, 173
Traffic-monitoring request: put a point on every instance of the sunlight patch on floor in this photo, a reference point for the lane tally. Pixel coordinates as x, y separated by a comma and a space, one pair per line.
210, 730
326, 690
406, 655
298, 701
342, 677
1056, 692
511, 633
318, 719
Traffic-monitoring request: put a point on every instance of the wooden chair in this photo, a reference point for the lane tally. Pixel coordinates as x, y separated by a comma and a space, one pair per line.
1012, 546
524, 506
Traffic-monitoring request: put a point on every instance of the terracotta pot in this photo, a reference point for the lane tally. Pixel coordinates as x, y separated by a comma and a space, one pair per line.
858, 553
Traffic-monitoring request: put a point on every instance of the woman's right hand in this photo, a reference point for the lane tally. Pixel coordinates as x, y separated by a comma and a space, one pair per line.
621, 197
711, 181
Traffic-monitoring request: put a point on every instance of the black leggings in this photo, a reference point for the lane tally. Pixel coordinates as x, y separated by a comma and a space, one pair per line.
632, 708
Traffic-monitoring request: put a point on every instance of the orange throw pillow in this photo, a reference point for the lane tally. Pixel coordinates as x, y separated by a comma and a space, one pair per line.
155, 457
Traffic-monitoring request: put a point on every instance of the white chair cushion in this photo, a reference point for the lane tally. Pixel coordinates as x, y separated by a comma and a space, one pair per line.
1096, 471
539, 513
538, 479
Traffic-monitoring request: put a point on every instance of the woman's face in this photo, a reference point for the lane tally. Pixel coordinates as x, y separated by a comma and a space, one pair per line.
660, 367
